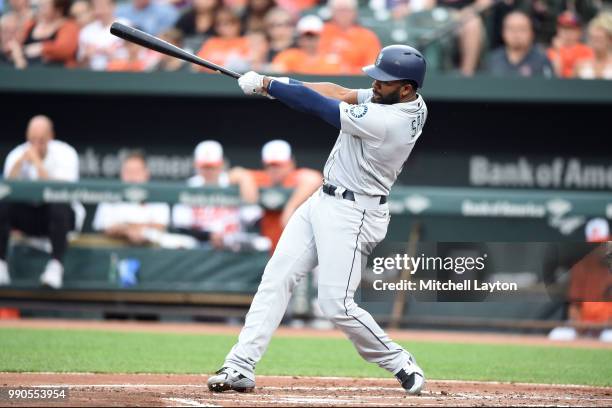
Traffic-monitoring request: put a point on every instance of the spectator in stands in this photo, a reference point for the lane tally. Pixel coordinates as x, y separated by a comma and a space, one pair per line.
52, 37
96, 44
228, 43
132, 222
590, 287
307, 59
41, 157
519, 57
199, 19
253, 16
133, 61
216, 224
280, 28
81, 11
599, 66
344, 37
151, 16
470, 31
166, 63
545, 13
210, 166
280, 171
9, 41
257, 57
567, 48
22, 12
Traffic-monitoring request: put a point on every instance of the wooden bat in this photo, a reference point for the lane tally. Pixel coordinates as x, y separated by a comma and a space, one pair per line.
149, 41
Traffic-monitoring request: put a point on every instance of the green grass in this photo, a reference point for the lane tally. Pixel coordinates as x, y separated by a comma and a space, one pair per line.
136, 352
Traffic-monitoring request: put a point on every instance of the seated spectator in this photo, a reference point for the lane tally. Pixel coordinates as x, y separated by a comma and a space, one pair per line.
81, 11
280, 28
153, 17
257, 57
222, 226
259, 50
599, 66
590, 290
519, 57
96, 44
199, 19
210, 166
9, 41
353, 44
22, 12
166, 63
133, 61
227, 43
254, 14
52, 37
545, 14
132, 222
307, 59
280, 171
40, 158
470, 31
567, 48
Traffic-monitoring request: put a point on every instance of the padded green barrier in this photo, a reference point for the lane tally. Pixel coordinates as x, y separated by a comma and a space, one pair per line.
198, 270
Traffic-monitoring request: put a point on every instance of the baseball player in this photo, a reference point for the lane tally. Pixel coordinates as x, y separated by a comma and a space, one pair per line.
341, 223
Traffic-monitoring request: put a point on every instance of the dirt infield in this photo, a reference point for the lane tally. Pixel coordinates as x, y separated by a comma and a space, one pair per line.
191, 391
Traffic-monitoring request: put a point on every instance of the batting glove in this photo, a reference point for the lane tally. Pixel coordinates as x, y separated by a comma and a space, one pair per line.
251, 83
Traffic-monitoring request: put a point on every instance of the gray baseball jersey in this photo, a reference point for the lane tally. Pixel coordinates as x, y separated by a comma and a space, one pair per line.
374, 143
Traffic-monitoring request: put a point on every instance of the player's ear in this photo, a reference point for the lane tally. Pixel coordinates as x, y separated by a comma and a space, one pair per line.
406, 89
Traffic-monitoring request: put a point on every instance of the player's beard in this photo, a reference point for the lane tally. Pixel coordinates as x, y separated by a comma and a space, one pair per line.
390, 99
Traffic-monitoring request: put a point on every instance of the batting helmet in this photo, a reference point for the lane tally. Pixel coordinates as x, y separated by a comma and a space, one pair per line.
397, 62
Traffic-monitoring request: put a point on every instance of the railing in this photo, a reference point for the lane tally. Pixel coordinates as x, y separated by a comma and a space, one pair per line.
441, 201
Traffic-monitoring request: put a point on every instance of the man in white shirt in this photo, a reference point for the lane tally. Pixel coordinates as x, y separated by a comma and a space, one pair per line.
133, 222
221, 226
40, 158
96, 44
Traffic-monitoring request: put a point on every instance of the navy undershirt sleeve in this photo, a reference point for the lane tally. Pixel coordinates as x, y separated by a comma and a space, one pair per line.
297, 96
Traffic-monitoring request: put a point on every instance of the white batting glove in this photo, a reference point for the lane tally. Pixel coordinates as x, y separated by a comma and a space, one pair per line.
251, 83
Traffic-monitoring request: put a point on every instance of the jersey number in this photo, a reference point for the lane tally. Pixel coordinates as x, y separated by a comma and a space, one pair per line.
417, 125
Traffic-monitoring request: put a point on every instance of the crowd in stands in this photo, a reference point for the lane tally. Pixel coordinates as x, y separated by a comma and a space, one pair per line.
245, 226
560, 38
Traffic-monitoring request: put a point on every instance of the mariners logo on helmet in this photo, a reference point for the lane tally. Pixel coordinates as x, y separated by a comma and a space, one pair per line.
380, 55
397, 62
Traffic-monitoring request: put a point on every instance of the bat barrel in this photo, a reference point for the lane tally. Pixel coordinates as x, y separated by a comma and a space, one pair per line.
149, 41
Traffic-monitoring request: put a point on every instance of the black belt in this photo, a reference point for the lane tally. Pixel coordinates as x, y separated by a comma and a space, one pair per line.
347, 195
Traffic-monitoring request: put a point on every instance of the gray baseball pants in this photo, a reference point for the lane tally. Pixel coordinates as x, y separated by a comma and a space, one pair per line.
338, 235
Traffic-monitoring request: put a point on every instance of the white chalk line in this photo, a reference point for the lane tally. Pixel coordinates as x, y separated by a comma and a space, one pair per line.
426, 395
397, 390
189, 402
317, 401
204, 376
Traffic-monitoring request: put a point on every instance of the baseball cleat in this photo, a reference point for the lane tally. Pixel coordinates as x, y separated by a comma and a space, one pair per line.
411, 378
228, 379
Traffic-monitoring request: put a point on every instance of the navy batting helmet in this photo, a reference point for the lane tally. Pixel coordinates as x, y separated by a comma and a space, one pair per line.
397, 62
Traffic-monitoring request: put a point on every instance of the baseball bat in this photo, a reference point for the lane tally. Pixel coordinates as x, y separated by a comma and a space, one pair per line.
149, 41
